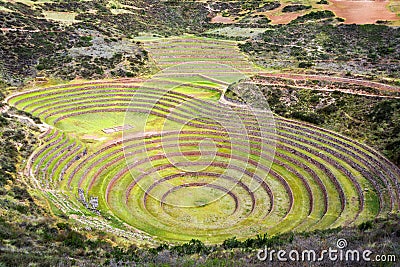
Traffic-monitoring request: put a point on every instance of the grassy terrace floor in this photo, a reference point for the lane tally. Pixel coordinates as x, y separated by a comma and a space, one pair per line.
193, 166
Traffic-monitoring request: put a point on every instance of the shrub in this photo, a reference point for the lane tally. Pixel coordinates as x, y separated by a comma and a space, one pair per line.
192, 247
365, 226
74, 240
305, 65
231, 243
315, 15
294, 8
308, 117
3, 121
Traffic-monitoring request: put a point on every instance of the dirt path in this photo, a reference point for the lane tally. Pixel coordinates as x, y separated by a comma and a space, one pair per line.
332, 90
377, 85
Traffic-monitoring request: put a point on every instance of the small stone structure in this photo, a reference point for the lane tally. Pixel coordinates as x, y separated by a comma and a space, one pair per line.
117, 129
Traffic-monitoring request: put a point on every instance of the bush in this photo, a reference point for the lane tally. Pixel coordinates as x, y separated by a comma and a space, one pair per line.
231, 243
194, 246
315, 15
365, 226
3, 121
294, 8
305, 65
74, 240
63, 226
308, 117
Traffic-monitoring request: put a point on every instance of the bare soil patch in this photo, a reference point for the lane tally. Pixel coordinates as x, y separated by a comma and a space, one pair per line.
221, 19
284, 18
362, 12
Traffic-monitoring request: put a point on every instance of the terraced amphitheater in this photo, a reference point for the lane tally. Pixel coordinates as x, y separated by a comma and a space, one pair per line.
170, 158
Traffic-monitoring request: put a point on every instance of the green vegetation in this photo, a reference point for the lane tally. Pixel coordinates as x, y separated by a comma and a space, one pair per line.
98, 165
328, 47
294, 8
33, 46
27, 230
369, 117
323, 2
173, 168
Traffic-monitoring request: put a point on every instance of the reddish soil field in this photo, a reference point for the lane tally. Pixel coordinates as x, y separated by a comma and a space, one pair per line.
362, 12
284, 18
356, 11
221, 19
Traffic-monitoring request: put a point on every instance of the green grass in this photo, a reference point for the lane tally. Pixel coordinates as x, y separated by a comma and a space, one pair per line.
303, 205
211, 218
92, 123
